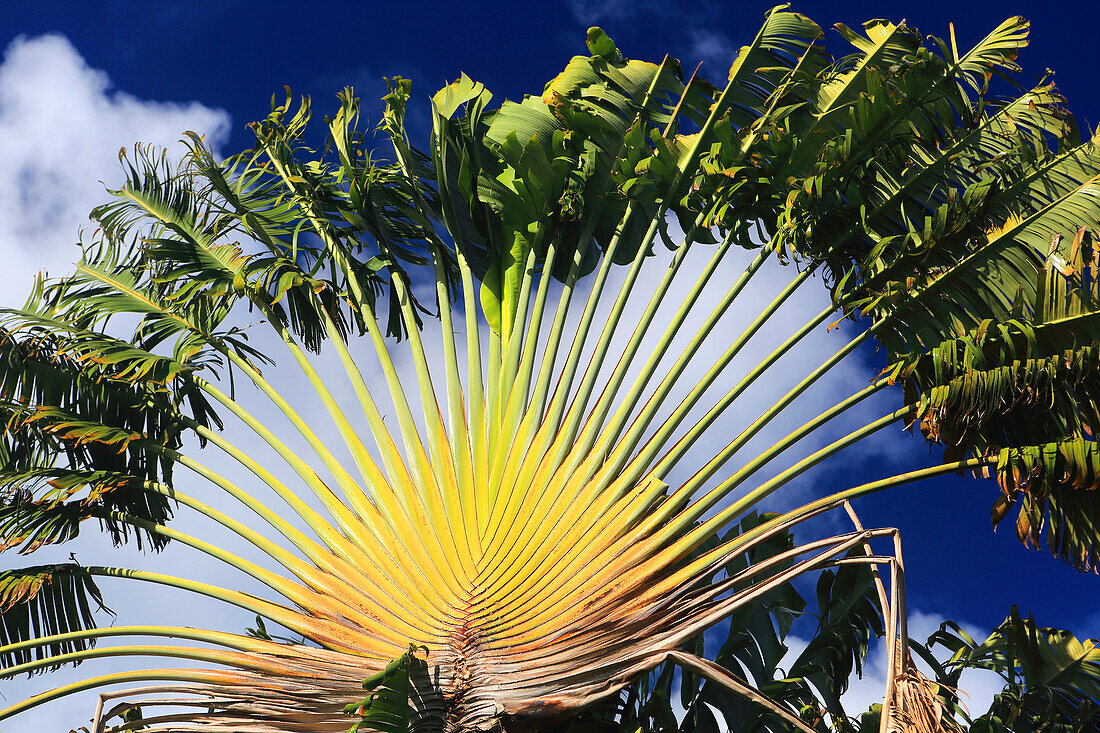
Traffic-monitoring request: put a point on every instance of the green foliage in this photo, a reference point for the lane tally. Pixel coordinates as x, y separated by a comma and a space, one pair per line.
848, 617
528, 184
1052, 679
386, 707
1025, 388
42, 601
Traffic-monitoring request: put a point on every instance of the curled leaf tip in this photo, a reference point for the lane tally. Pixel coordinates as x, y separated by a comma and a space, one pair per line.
600, 44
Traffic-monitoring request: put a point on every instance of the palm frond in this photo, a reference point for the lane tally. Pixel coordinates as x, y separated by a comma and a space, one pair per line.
42, 601
1050, 676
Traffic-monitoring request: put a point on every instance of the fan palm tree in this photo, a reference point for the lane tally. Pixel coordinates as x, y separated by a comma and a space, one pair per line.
509, 552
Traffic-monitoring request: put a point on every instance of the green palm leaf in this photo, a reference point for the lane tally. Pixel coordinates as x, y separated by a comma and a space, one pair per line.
42, 601
1051, 678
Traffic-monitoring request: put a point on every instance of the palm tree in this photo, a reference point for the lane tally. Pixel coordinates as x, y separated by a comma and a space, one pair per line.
510, 553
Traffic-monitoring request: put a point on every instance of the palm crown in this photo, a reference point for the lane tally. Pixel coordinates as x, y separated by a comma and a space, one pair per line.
514, 545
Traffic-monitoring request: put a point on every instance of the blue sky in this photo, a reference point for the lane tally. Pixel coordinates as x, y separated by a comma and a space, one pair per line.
79, 81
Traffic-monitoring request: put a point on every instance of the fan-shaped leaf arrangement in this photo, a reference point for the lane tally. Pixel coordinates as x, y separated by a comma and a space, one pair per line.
511, 541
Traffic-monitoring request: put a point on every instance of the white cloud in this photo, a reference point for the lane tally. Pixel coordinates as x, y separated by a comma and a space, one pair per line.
590, 12
61, 128
1086, 628
714, 49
